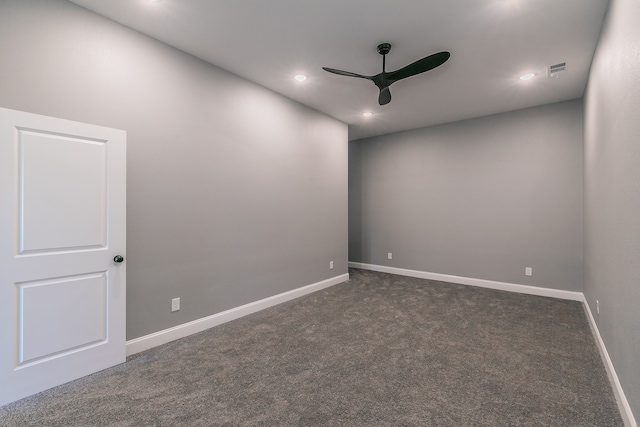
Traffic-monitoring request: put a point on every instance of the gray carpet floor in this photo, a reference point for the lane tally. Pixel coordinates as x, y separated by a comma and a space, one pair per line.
378, 350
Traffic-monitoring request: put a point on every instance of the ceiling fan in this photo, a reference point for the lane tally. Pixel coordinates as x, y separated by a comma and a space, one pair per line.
384, 79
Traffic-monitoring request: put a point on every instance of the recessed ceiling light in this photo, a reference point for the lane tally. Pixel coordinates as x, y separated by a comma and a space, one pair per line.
367, 114
300, 77
527, 76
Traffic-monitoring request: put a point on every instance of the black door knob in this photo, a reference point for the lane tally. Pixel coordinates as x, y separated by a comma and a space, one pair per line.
118, 259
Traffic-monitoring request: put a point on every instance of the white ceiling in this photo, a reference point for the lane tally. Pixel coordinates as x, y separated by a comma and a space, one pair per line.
492, 42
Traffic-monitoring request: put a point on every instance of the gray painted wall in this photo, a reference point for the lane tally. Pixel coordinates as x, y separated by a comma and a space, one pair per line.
234, 192
612, 192
481, 198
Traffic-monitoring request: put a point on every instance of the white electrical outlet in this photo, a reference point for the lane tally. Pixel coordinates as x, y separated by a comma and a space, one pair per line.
598, 306
528, 271
389, 255
175, 304
330, 265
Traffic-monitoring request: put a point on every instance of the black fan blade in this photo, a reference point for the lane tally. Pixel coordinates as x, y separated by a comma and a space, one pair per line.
346, 73
420, 66
385, 96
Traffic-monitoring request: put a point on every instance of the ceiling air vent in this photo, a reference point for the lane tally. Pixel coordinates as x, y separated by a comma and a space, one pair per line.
555, 70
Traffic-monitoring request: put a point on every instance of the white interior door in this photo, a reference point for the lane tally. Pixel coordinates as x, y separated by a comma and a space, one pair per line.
62, 222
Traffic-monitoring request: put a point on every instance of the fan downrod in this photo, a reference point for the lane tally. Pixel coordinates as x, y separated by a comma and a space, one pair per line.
384, 48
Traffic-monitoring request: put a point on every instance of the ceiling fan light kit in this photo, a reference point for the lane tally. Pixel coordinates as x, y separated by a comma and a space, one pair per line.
384, 79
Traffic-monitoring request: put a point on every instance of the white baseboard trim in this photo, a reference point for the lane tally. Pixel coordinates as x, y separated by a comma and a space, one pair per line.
162, 337
623, 403
503, 286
